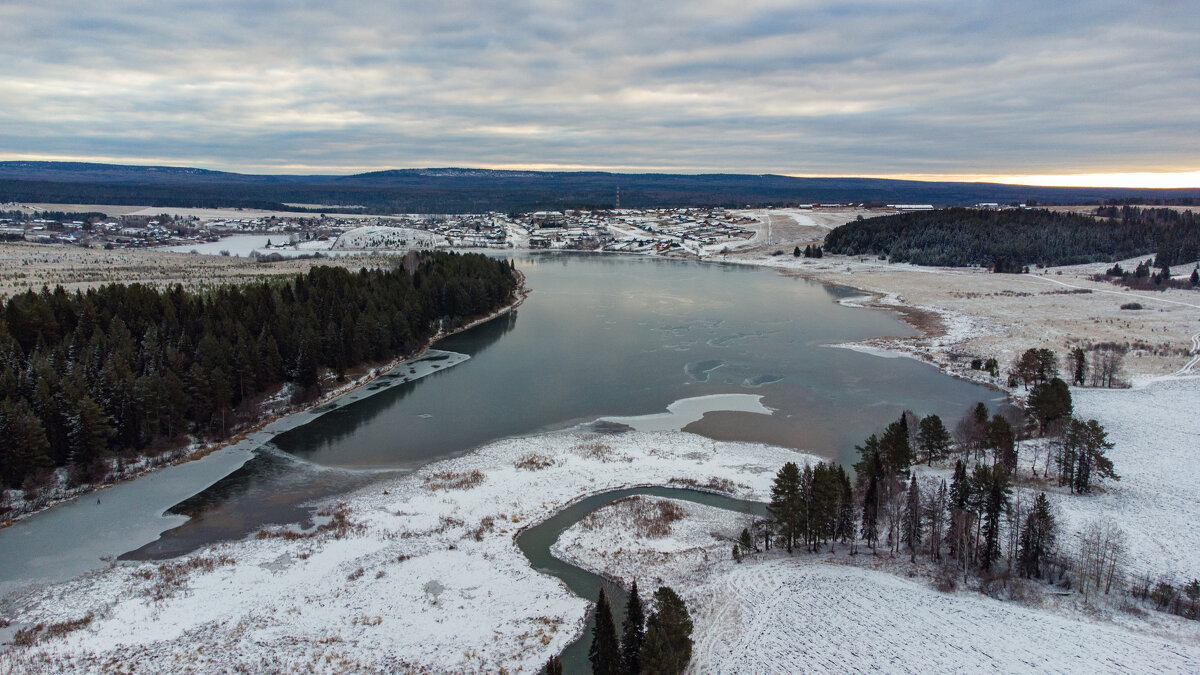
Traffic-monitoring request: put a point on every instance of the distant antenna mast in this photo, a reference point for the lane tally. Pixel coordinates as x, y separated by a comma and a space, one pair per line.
618, 196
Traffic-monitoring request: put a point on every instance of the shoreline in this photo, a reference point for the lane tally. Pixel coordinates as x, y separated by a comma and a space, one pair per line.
373, 372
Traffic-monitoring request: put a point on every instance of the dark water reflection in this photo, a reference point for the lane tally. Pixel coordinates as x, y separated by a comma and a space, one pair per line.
604, 335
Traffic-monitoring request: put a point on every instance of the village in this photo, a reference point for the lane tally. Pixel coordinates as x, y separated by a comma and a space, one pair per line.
681, 231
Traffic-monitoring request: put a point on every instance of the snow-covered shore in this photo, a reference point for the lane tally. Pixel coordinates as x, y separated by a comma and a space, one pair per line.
276, 414
418, 572
826, 613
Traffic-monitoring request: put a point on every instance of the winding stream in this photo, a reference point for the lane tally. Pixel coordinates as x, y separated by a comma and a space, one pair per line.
536, 541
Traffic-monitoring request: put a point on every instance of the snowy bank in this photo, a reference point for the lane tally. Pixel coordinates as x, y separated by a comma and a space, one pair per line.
418, 572
778, 614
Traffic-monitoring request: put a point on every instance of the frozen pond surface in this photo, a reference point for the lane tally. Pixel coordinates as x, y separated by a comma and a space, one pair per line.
241, 245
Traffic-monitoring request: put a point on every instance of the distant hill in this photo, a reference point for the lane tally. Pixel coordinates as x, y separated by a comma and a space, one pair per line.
465, 190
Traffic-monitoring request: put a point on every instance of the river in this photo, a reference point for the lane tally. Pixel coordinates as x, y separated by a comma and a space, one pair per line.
600, 336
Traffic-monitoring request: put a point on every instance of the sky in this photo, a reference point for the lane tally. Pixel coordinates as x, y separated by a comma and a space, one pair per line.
955, 89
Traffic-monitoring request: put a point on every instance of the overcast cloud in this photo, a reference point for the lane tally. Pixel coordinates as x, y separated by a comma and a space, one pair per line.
872, 87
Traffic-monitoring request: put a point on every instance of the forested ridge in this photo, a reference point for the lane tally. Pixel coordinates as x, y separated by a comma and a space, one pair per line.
1008, 240
121, 369
465, 190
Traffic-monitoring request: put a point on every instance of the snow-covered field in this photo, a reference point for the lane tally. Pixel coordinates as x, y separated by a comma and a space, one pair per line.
377, 237
423, 571
807, 613
1155, 430
788, 616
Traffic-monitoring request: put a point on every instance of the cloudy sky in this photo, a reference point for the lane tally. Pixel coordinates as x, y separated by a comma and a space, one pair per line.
956, 87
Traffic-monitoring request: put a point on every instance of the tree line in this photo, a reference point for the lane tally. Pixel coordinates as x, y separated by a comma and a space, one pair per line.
1013, 240
981, 522
119, 370
660, 644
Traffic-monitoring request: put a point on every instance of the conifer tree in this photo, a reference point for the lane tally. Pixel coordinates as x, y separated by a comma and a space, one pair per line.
1002, 442
1079, 366
634, 632
553, 666
845, 530
1037, 538
1083, 455
869, 473
746, 542
668, 646
1050, 402
604, 652
959, 499
911, 524
995, 502
787, 506
28, 450
897, 452
933, 439
935, 515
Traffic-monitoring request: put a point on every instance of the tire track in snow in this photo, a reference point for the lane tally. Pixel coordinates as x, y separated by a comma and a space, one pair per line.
1187, 368
1122, 293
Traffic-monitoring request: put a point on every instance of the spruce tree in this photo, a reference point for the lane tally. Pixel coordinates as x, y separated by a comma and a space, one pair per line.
553, 666
1002, 442
912, 519
1037, 538
604, 652
668, 646
746, 542
634, 632
995, 502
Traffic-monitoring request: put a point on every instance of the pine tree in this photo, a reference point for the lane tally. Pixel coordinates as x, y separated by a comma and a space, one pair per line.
897, 453
787, 506
634, 632
995, 502
911, 524
1051, 401
1037, 538
668, 646
1084, 444
604, 652
933, 439
1002, 442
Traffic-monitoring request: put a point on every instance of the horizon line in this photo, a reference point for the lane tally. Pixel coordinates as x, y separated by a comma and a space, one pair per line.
1157, 180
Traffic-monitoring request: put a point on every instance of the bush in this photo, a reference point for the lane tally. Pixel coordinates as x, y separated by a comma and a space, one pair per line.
451, 480
534, 462
1132, 305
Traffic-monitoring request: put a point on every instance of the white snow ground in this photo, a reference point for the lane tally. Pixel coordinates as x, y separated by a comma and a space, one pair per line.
786, 616
365, 601
783, 614
1155, 430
